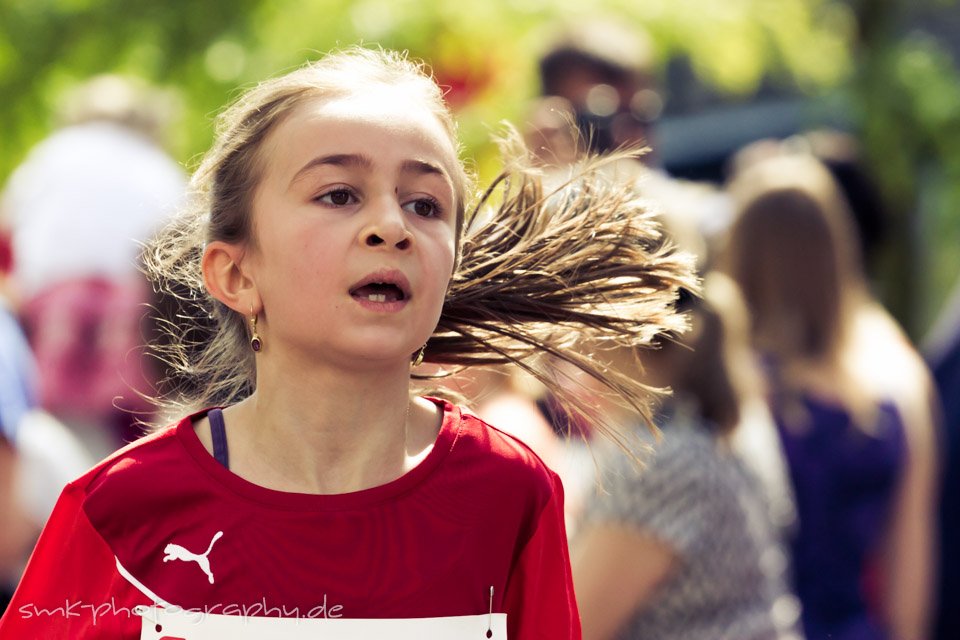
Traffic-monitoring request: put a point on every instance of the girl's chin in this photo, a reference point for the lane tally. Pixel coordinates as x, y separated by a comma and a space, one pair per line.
384, 351
369, 359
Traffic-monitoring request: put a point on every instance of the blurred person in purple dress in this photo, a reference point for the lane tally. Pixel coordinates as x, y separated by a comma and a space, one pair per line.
852, 401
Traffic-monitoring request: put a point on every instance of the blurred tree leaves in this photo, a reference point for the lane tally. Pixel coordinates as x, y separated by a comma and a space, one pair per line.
485, 51
907, 92
48, 45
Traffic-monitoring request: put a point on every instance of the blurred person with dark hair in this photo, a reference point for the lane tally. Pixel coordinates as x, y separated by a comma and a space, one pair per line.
682, 545
600, 91
852, 402
79, 207
599, 75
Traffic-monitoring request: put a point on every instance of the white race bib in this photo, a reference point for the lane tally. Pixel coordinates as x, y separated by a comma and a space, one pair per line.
177, 624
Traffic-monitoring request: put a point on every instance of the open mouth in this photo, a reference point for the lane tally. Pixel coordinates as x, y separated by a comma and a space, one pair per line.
388, 287
379, 292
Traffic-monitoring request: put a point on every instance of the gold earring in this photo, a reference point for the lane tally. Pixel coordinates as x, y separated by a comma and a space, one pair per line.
255, 342
419, 359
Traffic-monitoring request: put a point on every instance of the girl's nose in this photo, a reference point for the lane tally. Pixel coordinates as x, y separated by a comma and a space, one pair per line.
373, 240
387, 227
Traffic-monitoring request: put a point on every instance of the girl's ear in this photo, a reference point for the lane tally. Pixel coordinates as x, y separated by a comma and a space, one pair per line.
226, 278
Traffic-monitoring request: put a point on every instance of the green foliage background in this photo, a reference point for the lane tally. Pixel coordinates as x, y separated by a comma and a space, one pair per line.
903, 86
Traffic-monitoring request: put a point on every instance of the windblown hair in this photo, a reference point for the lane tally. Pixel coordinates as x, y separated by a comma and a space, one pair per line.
539, 269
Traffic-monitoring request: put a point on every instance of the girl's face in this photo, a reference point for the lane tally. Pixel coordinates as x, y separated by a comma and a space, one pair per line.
353, 222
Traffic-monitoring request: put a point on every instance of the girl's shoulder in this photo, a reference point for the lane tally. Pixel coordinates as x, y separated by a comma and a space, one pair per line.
155, 459
503, 447
490, 455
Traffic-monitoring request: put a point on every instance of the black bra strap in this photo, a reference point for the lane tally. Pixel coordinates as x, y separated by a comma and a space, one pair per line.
218, 432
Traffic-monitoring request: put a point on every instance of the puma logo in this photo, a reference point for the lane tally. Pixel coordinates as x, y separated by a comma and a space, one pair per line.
176, 552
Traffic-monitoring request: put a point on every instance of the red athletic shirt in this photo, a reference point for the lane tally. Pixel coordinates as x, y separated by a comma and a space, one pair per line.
161, 522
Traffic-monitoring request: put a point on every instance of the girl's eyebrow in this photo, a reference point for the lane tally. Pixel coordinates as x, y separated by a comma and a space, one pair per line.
365, 162
336, 159
422, 167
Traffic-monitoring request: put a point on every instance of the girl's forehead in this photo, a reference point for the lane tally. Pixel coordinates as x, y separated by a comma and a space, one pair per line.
386, 109
368, 119
390, 130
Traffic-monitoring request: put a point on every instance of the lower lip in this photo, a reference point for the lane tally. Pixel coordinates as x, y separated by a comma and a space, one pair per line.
381, 307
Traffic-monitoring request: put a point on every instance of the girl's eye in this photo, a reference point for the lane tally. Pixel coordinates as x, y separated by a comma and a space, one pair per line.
424, 207
338, 197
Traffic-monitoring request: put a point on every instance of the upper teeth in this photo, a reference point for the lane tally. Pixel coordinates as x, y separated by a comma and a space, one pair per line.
377, 297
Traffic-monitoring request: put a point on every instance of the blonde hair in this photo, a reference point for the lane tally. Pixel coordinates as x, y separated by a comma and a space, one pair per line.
537, 269
793, 251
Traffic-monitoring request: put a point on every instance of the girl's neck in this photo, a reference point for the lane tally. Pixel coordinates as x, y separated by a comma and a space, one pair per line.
329, 430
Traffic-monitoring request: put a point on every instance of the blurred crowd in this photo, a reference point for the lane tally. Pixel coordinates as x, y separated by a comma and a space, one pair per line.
800, 476
74, 308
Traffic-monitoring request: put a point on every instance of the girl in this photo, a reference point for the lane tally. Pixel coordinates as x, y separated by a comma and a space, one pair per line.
851, 400
312, 496
682, 548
